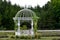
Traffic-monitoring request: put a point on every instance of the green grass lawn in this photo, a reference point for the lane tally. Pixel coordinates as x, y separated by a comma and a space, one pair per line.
42, 38
49, 38
11, 36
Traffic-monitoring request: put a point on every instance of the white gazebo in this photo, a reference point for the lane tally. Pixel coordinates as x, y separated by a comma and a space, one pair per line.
21, 16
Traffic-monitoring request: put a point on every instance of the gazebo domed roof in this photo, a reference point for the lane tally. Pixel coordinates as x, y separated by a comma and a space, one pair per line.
25, 13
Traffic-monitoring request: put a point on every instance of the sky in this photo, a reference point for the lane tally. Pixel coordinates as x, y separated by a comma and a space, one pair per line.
27, 3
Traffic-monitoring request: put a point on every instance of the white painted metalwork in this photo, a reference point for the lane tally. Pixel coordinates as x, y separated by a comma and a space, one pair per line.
22, 18
24, 14
32, 32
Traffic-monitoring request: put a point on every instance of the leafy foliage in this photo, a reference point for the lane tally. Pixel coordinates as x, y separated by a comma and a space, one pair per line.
49, 15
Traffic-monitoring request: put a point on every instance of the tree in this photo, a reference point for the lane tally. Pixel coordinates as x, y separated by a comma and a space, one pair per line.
56, 11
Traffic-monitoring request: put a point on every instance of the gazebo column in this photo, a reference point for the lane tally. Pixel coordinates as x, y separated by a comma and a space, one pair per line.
32, 32
18, 27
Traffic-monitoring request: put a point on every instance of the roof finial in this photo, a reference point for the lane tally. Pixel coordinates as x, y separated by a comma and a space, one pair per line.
25, 7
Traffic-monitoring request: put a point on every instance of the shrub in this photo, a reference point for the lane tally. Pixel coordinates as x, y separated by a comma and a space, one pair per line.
29, 37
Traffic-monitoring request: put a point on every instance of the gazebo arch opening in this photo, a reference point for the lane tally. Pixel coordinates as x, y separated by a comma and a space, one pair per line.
25, 25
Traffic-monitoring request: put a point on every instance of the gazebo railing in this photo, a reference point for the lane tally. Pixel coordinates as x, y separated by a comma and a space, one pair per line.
25, 31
